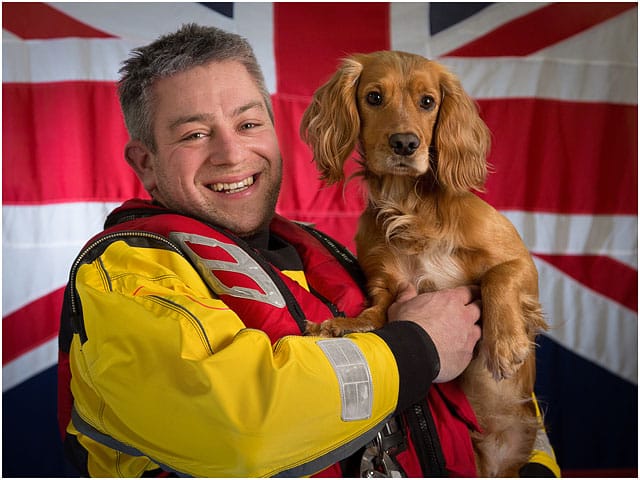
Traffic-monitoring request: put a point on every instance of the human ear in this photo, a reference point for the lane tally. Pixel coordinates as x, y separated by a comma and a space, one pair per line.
140, 159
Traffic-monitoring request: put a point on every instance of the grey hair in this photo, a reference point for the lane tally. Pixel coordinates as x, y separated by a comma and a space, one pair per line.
190, 46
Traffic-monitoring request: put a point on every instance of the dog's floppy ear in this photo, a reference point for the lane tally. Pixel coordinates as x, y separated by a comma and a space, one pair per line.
462, 139
331, 124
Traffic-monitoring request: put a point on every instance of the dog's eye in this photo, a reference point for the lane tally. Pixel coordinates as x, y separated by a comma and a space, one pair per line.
374, 98
427, 102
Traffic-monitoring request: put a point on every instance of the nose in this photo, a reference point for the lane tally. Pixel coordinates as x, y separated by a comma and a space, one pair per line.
225, 147
404, 144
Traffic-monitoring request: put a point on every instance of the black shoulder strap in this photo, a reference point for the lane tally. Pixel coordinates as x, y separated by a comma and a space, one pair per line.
347, 259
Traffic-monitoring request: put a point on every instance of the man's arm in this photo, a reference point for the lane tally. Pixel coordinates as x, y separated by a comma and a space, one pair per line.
173, 374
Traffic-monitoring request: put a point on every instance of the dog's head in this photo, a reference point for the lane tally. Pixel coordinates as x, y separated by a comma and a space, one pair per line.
407, 115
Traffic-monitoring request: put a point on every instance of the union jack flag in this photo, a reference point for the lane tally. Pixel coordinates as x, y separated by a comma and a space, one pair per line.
556, 83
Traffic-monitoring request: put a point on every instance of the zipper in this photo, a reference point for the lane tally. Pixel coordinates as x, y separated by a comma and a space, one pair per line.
335, 311
426, 441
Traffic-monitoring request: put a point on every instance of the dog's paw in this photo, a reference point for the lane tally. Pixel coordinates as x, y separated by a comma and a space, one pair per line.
505, 356
328, 328
337, 327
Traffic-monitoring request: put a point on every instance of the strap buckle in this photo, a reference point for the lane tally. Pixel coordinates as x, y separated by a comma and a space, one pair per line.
378, 457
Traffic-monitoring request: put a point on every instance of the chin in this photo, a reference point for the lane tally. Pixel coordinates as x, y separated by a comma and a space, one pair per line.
244, 228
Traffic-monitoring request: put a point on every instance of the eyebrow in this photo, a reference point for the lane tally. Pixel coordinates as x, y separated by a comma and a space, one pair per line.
207, 117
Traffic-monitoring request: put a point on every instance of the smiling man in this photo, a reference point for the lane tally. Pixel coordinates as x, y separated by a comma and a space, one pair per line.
181, 341
215, 154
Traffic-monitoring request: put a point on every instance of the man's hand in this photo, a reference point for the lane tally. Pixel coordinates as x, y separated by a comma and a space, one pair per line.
450, 318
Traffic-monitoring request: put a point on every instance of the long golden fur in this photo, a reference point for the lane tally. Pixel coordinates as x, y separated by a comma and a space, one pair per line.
423, 148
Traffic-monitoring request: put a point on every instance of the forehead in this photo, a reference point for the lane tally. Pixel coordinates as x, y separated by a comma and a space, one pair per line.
401, 72
215, 74
223, 85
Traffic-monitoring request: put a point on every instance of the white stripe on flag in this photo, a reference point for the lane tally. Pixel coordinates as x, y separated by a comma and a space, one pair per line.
478, 25
66, 59
130, 21
601, 73
560, 79
255, 23
607, 42
29, 364
589, 324
39, 61
615, 236
39, 244
144, 21
410, 27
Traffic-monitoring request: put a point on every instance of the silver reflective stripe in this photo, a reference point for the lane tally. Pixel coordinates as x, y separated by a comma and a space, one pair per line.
354, 378
94, 434
242, 264
542, 444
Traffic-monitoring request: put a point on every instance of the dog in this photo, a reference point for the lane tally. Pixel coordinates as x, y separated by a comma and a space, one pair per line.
423, 149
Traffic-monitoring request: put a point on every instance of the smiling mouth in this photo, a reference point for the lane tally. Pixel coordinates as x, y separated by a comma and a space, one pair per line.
235, 187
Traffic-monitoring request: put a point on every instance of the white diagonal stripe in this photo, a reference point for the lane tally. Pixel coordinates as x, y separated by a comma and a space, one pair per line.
29, 364
588, 323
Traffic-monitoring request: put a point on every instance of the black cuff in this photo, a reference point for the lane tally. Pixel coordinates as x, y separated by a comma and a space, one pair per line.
535, 470
417, 359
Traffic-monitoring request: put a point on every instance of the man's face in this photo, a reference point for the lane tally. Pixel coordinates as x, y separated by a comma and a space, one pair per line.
217, 155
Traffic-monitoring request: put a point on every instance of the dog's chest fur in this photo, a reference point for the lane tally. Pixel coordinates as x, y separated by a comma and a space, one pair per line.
432, 267
425, 244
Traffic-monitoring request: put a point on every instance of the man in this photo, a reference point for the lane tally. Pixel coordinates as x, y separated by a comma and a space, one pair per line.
181, 345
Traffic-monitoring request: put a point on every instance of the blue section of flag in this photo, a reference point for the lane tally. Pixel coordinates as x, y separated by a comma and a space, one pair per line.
444, 15
591, 415
223, 8
31, 443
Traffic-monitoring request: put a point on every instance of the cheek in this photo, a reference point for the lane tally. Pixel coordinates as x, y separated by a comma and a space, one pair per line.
266, 147
174, 174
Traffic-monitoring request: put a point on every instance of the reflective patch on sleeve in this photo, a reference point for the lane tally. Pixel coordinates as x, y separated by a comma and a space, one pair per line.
354, 377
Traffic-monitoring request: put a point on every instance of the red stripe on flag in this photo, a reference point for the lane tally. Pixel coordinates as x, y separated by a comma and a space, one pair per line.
64, 142
540, 29
306, 56
562, 157
31, 326
605, 275
38, 20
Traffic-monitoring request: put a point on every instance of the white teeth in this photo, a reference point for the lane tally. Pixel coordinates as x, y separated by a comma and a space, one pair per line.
232, 187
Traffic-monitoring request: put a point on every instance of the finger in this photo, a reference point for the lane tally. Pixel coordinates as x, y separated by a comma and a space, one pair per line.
406, 292
475, 310
471, 293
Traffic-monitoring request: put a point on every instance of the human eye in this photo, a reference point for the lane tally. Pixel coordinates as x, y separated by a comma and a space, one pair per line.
249, 125
193, 136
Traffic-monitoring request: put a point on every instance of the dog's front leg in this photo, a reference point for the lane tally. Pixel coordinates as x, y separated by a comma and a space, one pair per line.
510, 316
371, 318
382, 285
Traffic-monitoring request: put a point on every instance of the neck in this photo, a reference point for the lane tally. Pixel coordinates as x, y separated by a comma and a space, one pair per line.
401, 192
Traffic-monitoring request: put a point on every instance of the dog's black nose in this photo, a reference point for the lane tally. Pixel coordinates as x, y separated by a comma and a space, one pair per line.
404, 143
